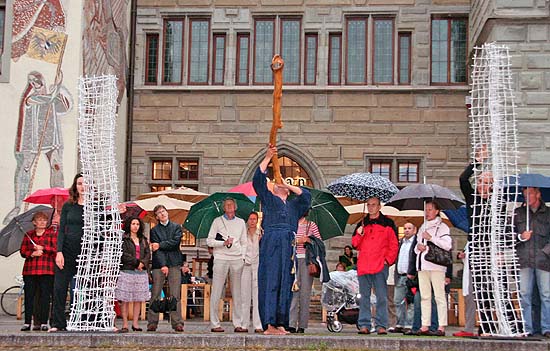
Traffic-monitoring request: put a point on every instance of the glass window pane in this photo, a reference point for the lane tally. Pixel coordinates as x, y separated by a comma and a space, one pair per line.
404, 58
188, 169
173, 49
2, 21
198, 54
264, 52
439, 51
311, 58
152, 58
408, 172
162, 170
335, 56
383, 51
458, 51
356, 47
243, 44
219, 59
382, 169
290, 50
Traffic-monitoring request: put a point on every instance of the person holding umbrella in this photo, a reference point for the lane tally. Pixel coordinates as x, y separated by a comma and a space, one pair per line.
38, 249
533, 249
280, 221
430, 275
375, 237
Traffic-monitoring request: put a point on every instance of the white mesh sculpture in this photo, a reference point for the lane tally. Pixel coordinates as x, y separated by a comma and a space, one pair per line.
493, 260
99, 260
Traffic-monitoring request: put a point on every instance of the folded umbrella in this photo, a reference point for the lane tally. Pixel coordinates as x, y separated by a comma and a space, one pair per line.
12, 234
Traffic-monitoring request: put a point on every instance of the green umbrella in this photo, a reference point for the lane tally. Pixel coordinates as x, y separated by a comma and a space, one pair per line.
202, 213
329, 215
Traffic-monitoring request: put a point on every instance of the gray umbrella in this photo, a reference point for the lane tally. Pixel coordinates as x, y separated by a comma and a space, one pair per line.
363, 186
413, 197
12, 234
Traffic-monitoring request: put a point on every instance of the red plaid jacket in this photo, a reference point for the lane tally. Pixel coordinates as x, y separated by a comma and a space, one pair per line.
42, 265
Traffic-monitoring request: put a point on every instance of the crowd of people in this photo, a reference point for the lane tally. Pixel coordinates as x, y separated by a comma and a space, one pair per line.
269, 269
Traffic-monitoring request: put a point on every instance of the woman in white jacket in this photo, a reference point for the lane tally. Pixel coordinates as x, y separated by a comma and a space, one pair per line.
431, 275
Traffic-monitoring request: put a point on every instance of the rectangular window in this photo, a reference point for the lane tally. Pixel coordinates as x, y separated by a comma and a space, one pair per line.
243, 45
162, 170
311, 60
263, 50
408, 172
404, 66
356, 51
381, 168
448, 50
334, 58
2, 24
198, 51
173, 51
155, 187
188, 169
219, 59
290, 50
383, 51
187, 239
151, 58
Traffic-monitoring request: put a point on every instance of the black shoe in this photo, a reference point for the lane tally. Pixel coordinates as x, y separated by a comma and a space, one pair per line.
411, 332
36, 327
26, 327
292, 330
300, 331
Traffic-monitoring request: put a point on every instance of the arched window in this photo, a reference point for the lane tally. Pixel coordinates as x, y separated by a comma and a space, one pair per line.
291, 172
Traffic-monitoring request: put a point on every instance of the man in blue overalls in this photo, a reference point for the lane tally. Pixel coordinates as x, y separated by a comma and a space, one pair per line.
280, 221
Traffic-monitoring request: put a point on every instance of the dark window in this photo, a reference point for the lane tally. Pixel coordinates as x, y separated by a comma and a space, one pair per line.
383, 51
291, 172
290, 50
263, 50
219, 59
404, 69
151, 57
198, 51
334, 58
311, 59
188, 169
243, 49
162, 170
2, 24
173, 51
408, 171
448, 50
381, 168
356, 51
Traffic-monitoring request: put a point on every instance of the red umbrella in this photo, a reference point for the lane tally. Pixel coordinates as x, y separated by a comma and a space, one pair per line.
247, 189
46, 196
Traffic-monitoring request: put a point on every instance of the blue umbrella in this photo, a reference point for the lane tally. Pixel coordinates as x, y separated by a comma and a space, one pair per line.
363, 186
459, 218
531, 180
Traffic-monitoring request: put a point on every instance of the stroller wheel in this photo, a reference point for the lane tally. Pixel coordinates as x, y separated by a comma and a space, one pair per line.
329, 326
337, 326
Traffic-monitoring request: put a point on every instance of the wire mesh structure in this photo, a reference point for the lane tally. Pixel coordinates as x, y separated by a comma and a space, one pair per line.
99, 261
493, 259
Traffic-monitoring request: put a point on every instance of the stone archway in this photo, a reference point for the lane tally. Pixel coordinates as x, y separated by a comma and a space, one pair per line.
287, 149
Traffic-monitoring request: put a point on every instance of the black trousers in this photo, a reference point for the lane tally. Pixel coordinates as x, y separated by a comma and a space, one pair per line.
43, 286
62, 282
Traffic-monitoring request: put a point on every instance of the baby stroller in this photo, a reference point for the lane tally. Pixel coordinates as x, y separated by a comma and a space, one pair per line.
340, 297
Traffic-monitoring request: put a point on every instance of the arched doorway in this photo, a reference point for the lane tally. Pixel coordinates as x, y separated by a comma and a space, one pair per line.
292, 172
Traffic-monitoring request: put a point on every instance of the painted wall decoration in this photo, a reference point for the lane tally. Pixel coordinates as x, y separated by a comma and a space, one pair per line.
105, 40
31, 14
39, 132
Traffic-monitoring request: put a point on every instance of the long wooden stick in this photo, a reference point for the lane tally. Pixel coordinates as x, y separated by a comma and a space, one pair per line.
277, 65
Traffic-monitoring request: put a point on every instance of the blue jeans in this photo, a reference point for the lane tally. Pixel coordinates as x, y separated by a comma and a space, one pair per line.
378, 282
417, 319
527, 281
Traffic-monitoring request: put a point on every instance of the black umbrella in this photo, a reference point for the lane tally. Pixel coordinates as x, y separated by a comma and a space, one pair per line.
12, 234
363, 186
414, 196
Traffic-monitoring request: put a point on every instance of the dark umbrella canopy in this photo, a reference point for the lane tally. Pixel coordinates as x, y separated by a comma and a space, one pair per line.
363, 186
202, 213
329, 215
530, 180
12, 234
413, 197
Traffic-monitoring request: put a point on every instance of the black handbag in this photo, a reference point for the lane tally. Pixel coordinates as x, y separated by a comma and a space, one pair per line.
437, 255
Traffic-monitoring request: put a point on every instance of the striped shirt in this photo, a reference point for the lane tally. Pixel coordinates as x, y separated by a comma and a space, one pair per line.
305, 229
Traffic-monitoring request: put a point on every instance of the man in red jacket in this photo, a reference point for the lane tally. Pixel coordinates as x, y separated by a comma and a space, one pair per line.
376, 240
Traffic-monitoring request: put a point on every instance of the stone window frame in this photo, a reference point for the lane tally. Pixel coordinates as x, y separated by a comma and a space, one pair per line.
395, 161
6, 31
175, 181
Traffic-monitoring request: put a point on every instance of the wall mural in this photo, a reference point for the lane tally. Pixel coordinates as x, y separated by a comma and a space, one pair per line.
105, 40
38, 32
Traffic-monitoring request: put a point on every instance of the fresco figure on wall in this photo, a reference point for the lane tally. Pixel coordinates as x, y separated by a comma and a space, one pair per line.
39, 131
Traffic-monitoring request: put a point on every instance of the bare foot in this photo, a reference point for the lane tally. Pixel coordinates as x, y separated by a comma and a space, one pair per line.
271, 330
283, 331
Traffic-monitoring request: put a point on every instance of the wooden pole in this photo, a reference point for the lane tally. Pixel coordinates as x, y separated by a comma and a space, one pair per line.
277, 65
